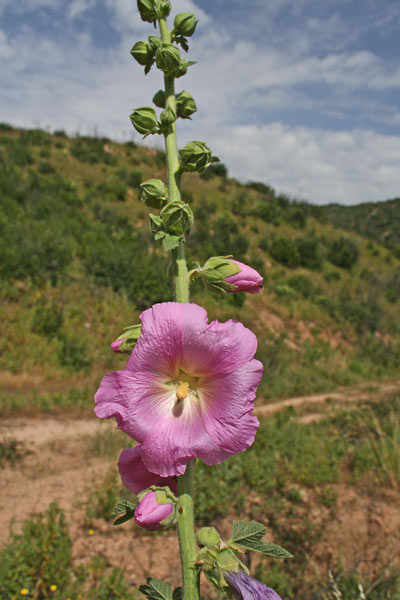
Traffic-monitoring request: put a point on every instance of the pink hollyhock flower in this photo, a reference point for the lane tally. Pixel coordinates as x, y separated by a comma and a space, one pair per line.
187, 390
134, 474
247, 280
244, 587
149, 514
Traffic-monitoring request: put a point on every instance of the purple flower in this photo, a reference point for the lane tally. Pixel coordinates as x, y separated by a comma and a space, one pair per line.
244, 587
134, 474
187, 390
247, 280
149, 514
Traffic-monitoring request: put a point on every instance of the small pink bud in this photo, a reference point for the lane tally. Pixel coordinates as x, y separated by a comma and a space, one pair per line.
149, 514
247, 280
116, 345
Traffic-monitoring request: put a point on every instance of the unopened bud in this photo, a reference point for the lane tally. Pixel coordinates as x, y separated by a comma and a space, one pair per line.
185, 24
141, 52
150, 10
168, 59
168, 116
208, 536
125, 343
154, 42
185, 104
153, 513
159, 99
177, 217
195, 156
144, 120
154, 193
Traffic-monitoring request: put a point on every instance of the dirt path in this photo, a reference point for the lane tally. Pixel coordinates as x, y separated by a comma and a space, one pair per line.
60, 466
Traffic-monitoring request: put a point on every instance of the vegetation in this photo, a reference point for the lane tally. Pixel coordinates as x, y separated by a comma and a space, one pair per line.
78, 265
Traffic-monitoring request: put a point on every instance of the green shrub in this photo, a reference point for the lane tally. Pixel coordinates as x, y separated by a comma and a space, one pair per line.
47, 319
309, 253
20, 155
91, 150
344, 253
296, 215
45, 167
285, 291
301, 284
73, 352
284, 250
34, 137
113, 190
135, 179
269, 211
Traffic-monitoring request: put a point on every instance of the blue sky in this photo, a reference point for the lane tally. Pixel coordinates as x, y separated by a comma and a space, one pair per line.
301, 94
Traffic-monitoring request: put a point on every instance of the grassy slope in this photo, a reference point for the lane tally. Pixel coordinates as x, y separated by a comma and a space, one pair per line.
78, 265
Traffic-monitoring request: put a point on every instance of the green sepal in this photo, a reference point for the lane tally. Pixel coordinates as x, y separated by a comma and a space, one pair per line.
154, 193
208, 537
215, 272
154, 42
155, 589
151, 10
156, 224
167, 117
130, 337
195, 156
159, 99
185, 24
183, 67
214, 561
177, 217
144, 120
249, 535
140, 52
126, 507
182, 41
168, 59
185, 105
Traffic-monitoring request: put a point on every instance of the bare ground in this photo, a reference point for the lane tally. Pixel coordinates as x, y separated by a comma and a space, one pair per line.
59, 467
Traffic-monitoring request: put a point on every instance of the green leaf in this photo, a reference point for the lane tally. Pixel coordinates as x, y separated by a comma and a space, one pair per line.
178, 594
170, 242
249, 535
123, 506
154, 589
159, 235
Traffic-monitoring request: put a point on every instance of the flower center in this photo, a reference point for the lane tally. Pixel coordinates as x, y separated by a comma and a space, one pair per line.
182, 390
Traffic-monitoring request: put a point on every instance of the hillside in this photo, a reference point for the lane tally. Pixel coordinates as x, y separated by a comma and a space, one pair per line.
78, 264
379, 221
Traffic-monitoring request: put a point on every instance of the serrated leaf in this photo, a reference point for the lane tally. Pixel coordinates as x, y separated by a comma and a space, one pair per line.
123, 506
170, 242
178, 594
155, 589
249, 535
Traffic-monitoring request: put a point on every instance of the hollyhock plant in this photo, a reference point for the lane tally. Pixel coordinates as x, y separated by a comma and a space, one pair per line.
245, 587
187, 390
247, 280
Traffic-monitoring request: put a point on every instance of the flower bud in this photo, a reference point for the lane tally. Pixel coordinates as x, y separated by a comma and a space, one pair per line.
144, 120
150, 10
185, 105
246, 280
185, 24
159, 99
168, 116
168, 59
208, 536
156, 224
125, 343
183, 67
177, 217
195, 156
141, 52
216, 272
154, 193
152, 515
154, 43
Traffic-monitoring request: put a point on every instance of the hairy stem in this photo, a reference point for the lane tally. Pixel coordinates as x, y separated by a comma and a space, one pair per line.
187, 542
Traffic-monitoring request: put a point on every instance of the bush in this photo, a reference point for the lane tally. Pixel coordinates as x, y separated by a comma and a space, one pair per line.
344, 253
45, 167
135, 179
91, 150
269, 212
47, 319
34, 137
284, 250
309, 253
296, 215
301, 284
20, 155
73, 352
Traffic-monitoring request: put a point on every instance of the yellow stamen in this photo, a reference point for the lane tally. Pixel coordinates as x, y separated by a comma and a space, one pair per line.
182, 390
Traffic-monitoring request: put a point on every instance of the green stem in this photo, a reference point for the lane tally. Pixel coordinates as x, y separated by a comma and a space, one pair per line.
187, 544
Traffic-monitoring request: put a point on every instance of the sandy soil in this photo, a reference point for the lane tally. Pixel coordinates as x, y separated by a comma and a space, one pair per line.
59, 466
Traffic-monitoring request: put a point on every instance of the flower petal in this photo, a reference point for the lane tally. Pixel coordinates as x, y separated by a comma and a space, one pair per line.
229, 402
245, 587
134, 474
